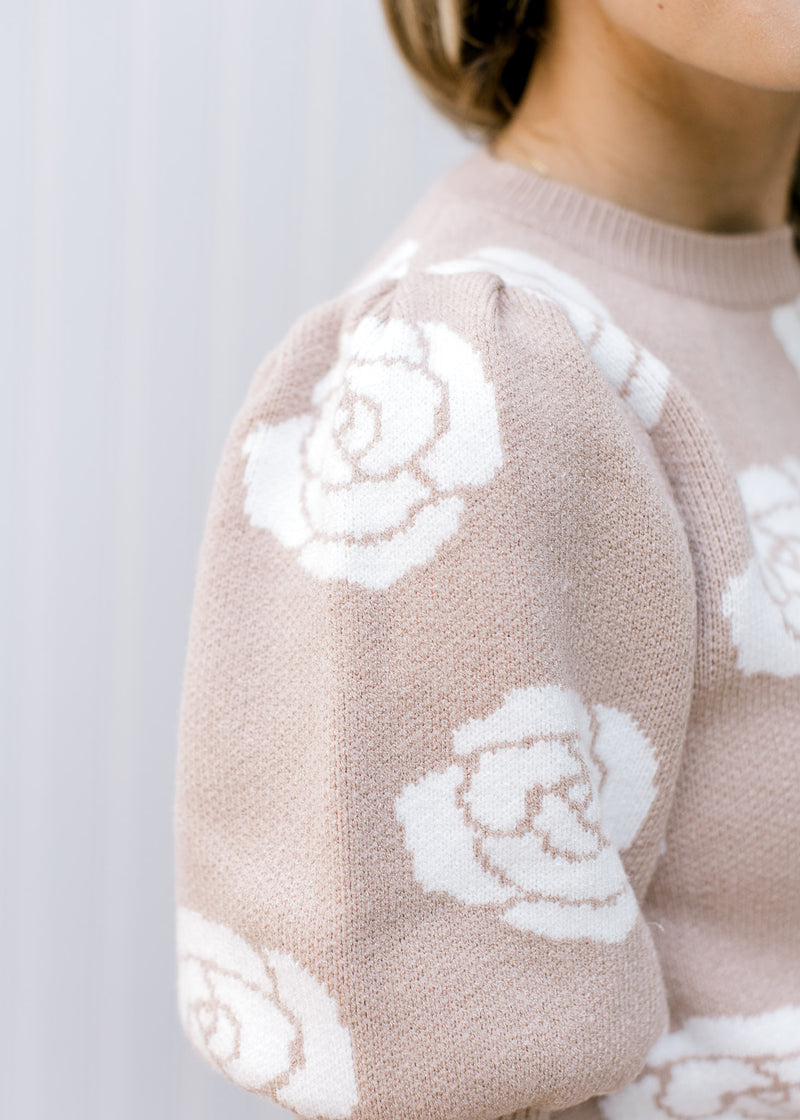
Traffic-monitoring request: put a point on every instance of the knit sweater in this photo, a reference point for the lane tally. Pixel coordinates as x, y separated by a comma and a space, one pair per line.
488, 766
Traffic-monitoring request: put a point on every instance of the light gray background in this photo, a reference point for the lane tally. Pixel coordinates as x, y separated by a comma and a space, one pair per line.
181, 179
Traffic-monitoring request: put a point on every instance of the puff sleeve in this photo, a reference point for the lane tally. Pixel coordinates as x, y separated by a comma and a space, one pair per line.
436, 687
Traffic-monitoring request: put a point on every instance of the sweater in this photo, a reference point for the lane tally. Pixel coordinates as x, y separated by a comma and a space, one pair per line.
486, 797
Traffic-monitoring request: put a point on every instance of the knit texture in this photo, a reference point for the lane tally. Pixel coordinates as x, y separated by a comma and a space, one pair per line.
487, 780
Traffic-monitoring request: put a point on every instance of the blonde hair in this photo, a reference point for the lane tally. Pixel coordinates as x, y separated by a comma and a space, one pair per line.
472, 60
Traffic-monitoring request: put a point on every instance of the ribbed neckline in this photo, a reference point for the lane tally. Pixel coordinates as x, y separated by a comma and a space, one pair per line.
735, 269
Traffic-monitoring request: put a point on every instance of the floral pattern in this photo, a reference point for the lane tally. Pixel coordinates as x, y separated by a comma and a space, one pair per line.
369, 483
393, 267
531, 819
763, 603
785, 321
263, 1020
638, 376
731, 1068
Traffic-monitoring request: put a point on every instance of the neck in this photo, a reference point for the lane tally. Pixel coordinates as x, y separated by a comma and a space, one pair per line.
617, 118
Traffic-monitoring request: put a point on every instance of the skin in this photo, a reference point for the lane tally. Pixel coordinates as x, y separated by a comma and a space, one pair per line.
684, 110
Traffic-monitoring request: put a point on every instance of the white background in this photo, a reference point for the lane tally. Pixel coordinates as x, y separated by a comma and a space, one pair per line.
180, 180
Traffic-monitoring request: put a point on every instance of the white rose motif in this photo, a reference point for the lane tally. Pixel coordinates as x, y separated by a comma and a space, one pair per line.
531, 822
785, 320
637, 375
368, 485
393, 267
263, 1020
763, 603
732, 1068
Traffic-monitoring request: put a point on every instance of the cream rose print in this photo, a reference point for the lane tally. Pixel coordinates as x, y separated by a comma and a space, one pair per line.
530, 819
763, 603
785, 320
370, 482
732, 1068
393, 267
263, 1019
638, 376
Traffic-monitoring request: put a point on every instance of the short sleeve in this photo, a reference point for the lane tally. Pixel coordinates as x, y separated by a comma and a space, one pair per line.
436, 688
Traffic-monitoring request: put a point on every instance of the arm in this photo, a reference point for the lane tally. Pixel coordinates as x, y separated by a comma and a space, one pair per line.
437, 684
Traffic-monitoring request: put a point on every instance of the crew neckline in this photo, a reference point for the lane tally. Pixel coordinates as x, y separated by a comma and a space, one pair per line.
749, 269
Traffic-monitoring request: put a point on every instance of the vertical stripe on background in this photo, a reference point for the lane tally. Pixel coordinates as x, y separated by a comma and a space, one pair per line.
183, 179
131, 372
34, 941
226, 365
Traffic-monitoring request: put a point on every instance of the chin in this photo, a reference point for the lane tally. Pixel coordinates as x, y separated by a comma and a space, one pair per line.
752, 42
779, 74
764, 55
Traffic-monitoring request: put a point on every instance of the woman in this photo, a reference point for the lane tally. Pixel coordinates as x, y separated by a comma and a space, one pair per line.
488, 763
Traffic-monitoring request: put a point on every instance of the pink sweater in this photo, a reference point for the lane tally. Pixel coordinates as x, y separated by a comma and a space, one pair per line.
488, 779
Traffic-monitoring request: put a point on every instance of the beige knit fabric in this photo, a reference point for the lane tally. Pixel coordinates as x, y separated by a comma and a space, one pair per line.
488, 780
